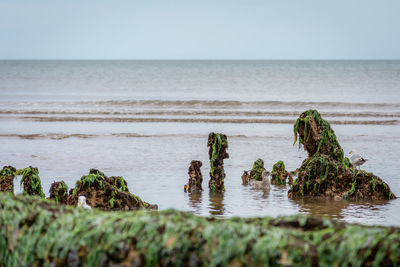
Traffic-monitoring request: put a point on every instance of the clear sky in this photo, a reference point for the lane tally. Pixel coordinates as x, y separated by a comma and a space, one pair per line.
201, 29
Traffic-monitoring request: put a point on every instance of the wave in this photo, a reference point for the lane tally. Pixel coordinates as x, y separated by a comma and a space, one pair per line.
203, 113
235, 103
210, 104
199, 120
59, 136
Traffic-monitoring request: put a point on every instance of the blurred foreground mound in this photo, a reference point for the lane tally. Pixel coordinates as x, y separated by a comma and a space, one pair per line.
37, 232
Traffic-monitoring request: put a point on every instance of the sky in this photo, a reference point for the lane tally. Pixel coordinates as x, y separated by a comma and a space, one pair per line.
201, 29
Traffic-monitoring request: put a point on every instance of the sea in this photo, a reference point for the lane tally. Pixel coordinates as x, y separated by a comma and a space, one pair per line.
147, 120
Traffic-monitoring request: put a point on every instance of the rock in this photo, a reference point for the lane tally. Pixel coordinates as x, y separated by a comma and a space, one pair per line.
279, 173
7, 176
326, 173
217, 144
195, 177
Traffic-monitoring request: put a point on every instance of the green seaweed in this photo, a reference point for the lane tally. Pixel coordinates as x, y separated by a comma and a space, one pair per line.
277, 169
8, 171
217, 144
35, 232
352, 190
31, 181
327, 143
61, 187
7, 176
257, 170
216, 148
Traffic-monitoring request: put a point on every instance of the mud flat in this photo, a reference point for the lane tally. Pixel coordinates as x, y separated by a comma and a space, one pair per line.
34, 231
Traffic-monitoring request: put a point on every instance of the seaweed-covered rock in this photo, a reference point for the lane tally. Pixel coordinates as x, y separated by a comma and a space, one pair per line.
326, 172
63, 235
195, 177
322, 176
31, 181
106, 193
7, 176
279, 173
59, 192
217, 143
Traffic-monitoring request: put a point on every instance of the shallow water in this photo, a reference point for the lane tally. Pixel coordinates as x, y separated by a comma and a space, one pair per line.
146, 120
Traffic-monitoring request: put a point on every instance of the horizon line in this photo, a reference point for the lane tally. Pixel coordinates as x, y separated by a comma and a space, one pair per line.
192, 59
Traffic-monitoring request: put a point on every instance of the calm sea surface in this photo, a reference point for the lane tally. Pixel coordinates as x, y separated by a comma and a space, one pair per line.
146, 120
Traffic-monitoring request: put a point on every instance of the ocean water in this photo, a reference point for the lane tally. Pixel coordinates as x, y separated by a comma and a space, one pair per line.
146, 120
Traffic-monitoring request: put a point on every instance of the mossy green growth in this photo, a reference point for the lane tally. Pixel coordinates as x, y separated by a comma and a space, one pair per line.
36, 232
7, 176
219, 141
322, 176
89, 180
119, 182
31, 181
257, 170
317, 136
61, 191
279, 173
8, 171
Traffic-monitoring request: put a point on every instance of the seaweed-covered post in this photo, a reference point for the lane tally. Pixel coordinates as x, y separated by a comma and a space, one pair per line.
7, 175
59, 192
279, 173
217, 143
31, 181
195, 177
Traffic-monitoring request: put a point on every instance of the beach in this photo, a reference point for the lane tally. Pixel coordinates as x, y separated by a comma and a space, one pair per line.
146, 120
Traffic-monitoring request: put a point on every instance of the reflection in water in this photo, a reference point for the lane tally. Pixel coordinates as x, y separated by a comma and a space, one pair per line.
322, 208
195, 202
217, 204
259, 194
340, 209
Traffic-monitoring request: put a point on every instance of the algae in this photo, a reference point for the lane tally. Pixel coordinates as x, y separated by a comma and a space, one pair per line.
329, 173
316, 135
31, 181
106, 193
59, 192
36, 232
217, 144
279, 173
7, 176
257, 177
257, 170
